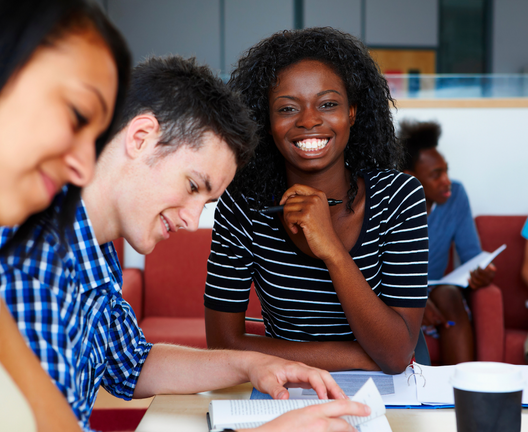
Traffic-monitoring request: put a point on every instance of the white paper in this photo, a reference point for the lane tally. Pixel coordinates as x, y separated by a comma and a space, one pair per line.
420, 385
461, 274
255, 412
437, 389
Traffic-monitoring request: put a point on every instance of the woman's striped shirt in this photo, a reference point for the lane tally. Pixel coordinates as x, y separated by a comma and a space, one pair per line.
297, 296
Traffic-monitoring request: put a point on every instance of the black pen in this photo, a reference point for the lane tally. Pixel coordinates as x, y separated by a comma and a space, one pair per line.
279, 208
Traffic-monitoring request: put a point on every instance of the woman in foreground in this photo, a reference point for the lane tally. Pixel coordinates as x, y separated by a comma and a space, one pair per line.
64, 68
341, 287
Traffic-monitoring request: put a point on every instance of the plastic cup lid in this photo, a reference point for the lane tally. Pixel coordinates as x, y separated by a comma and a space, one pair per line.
487, 377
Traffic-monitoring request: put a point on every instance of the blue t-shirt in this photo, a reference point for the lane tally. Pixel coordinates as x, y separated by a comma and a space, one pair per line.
451, 222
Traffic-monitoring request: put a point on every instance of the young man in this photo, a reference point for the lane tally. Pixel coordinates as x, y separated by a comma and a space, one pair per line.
450, 221
179, 142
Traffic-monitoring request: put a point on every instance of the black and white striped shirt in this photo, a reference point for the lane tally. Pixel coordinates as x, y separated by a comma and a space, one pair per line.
298, 299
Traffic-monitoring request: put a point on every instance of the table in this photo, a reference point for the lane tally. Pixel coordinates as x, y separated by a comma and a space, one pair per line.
186, 413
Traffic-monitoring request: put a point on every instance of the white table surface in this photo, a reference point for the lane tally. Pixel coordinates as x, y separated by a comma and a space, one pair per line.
187, 413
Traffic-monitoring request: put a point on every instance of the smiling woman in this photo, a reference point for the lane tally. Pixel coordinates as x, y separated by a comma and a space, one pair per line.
64, 70
58, 87
341, 287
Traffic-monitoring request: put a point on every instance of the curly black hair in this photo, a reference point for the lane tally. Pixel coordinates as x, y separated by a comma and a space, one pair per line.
416, 136
372, 143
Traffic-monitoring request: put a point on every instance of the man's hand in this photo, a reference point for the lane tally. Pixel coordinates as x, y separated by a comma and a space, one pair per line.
433, 316
316, 418
482, 277
270, 374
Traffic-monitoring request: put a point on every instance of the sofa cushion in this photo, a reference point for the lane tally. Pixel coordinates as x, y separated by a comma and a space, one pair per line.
133, 290
181, 331
495, 231
514, 346
175, 274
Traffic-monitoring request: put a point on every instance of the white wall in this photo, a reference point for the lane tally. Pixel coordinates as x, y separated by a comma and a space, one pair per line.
486, 149
402, 22
510, 36
249, 21
344, 15
192, 27
160, 27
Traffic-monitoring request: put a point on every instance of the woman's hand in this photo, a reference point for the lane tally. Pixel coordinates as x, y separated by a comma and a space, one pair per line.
307, 208
325, 417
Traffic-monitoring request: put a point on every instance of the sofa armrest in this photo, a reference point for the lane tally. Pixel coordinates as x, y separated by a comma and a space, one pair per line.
488, 320
133, 290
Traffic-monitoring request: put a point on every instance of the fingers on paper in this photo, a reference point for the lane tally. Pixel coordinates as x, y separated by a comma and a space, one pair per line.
327, 417
318, 418
319, 380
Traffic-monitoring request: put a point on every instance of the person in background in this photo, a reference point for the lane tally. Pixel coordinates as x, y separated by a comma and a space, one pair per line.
341, 287
450, 222
64, 69
177, 146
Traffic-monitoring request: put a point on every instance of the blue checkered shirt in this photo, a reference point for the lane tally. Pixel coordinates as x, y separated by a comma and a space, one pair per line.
67, 301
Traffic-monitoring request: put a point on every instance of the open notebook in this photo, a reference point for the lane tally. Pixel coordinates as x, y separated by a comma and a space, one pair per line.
240, 414
418, 387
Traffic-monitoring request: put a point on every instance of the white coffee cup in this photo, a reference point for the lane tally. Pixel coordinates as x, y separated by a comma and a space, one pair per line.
488, 397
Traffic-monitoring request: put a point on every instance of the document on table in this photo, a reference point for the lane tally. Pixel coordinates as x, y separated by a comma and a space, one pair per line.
394, 389
461, 274
419, 386
439, 391
416, 387
239, 414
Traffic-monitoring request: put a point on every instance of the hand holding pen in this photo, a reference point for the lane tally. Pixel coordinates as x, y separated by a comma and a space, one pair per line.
279, 208
307, 211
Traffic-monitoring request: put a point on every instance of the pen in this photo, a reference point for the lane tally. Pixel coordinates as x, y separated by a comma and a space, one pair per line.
279, 208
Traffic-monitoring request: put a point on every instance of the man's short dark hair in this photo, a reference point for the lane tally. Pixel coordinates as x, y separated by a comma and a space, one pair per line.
188, 101
415, 137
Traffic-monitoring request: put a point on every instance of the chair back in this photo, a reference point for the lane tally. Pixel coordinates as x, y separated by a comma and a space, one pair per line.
175, 274
495, 231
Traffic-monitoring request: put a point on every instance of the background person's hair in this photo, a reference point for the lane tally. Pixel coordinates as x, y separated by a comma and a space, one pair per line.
188, 101
372, 142
29, 24
415, 137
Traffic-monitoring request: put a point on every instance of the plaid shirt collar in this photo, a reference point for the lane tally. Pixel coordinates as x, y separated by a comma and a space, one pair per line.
98, 264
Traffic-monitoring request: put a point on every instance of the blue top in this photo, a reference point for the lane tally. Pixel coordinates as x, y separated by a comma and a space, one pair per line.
68, 305
524, 231
451, 222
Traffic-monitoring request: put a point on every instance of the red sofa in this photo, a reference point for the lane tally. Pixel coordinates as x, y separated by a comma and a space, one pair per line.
509, 316
168, 296
500, 316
